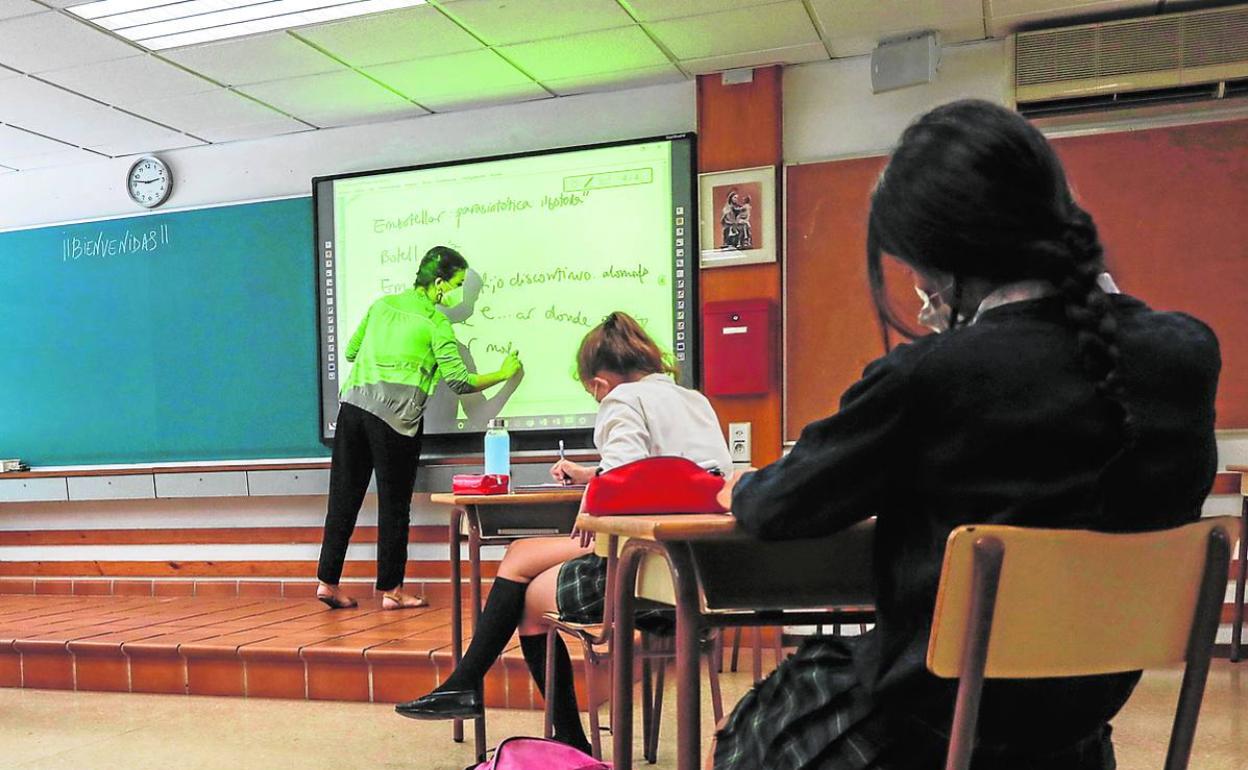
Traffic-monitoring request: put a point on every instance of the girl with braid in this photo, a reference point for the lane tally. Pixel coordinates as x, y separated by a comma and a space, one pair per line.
1043, 401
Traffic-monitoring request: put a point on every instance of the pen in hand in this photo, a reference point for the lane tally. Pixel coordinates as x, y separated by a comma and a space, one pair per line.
567, 479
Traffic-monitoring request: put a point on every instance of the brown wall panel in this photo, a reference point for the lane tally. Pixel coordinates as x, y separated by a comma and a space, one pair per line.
1171, 205
830, 327
1172, 208
739, 127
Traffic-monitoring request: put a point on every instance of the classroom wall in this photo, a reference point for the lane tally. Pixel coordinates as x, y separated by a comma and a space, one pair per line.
830, 112
210, 539
826, 110
284, 165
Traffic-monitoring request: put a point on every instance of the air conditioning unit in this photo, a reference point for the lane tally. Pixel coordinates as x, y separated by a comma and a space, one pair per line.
1171, 57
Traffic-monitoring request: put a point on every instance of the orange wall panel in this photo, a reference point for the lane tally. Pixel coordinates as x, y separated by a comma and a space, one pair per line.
739, 127
1171, 205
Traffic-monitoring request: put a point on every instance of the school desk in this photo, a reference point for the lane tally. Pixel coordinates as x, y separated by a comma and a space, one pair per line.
494, 520
717, 575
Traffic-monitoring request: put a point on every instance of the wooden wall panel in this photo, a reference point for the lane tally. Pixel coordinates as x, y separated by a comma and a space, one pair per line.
830, 327
1172, 208
739, 127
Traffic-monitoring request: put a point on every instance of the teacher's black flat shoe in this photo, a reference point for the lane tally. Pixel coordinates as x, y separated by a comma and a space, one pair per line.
445, 704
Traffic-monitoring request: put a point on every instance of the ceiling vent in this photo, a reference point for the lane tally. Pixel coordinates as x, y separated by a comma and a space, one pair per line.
1174, 57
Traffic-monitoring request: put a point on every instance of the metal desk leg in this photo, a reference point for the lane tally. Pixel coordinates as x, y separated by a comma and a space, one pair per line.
457, 607
474, 567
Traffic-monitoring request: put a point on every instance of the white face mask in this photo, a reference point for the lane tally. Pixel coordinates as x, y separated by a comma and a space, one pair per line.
934, 315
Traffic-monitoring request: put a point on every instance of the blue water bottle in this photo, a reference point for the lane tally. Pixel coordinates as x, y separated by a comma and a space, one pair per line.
497, 448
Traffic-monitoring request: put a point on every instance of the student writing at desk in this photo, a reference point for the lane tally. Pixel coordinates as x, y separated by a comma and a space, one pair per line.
1043, 401
642, 412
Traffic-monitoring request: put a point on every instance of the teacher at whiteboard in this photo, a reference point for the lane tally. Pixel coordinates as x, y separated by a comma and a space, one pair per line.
402, 348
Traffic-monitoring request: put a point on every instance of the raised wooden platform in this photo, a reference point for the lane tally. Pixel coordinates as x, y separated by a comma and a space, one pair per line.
240, 646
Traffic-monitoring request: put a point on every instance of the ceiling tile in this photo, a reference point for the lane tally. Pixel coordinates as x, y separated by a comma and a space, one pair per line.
782, 25
454, 77
613, 81
842, 18
200, 113
411, 33
57, 113
261, 130
855, 27
656, 10
335, 99
16, 144
156, 141
799, 54
69, 156
126, 82
500, 22
53, 41
1006, 16
12, 8
258, 59
590, 53
487, 97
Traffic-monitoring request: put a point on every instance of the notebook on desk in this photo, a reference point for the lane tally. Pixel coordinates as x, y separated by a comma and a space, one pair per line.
530, 489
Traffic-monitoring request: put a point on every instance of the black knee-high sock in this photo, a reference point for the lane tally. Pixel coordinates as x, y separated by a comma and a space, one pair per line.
499, 618
564, 712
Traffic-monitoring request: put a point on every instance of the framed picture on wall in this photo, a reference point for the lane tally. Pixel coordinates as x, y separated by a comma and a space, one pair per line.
737, 211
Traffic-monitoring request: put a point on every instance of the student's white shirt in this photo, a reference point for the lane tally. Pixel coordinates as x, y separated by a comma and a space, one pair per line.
655, 416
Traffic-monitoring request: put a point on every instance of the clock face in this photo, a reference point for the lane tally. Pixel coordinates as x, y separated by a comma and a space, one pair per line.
149, 182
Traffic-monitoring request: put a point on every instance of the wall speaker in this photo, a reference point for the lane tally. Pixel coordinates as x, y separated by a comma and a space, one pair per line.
906, 61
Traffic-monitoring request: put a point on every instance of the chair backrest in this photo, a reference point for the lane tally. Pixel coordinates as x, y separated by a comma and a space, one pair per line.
1021, 603
1073, 602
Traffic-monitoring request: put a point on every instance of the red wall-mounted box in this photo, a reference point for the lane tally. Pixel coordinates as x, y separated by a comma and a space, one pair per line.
737, 344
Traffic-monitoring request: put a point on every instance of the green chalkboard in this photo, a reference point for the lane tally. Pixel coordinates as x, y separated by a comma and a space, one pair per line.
169, 337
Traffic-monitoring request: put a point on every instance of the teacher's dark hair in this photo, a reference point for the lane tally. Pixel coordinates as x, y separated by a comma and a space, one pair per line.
439, 262
973, 190
620, 345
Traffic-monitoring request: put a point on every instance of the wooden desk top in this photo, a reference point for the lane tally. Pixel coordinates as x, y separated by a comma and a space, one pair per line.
525, 498
677, 526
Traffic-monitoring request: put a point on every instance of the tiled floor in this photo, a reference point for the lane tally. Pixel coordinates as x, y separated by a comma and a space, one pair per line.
49, 730
236, 646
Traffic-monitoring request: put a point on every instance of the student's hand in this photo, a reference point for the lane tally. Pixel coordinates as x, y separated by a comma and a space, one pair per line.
724, 497
568, 472
511, 365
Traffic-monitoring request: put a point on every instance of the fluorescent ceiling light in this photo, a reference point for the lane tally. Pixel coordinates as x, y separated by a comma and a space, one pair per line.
160, 24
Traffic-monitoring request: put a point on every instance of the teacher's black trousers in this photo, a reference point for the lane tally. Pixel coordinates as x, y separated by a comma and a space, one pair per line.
364, 444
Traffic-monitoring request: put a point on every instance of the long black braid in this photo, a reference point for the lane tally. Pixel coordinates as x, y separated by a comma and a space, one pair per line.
975, 191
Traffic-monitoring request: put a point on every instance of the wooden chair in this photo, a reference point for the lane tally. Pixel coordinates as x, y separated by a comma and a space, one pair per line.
1021, 603
595, 640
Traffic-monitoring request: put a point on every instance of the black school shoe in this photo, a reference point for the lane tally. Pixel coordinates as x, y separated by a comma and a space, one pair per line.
444, 704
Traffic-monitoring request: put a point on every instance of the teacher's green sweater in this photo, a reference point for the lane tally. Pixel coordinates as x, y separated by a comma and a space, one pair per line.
401, 349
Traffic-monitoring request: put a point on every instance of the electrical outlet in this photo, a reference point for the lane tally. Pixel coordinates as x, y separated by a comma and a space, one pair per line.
739, 441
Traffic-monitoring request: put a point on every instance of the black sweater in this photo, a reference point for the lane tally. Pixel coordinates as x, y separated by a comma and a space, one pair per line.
997, 423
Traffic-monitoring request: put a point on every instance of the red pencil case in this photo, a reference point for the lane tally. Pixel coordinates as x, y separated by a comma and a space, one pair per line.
654, 485
480, 484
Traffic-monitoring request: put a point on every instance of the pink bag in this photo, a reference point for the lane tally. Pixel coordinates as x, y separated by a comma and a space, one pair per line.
540, 754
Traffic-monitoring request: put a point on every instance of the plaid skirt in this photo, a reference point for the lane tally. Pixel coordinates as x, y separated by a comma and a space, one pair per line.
812, 713
581, 591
